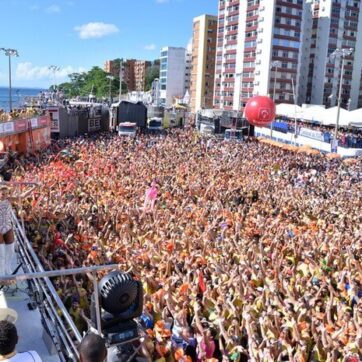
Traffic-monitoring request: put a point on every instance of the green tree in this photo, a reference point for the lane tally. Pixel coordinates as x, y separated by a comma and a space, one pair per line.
94, 81
152, 73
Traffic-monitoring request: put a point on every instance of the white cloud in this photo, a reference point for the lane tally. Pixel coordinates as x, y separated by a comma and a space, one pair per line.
53, 9
28, 71
150, 47
162, 1
34, 7
96, 30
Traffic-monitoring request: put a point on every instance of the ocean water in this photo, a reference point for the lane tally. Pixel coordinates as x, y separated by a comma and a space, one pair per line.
18, 95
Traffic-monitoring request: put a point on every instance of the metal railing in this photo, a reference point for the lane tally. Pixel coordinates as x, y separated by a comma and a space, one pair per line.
55, 317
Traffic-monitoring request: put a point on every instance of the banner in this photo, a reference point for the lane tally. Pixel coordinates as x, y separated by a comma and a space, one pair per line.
21, 125
54, 120
315, 135
42, 121
94, 124
34, 122
8, 127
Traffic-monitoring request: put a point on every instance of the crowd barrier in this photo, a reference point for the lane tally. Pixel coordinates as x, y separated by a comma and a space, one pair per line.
348, 141
306, 140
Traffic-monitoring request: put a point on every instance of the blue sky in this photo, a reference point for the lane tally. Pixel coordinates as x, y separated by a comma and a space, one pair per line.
77, 34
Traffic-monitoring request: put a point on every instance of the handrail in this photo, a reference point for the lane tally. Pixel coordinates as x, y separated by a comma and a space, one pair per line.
60, 330
56, 273
47, 281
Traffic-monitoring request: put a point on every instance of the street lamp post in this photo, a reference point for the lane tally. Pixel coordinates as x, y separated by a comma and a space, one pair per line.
295, 111
111, 78
54, 69
237, 75
10, 53
276, 64
343, 53
120, 80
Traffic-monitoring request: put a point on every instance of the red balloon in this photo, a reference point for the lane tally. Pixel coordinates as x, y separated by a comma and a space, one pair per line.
260, 111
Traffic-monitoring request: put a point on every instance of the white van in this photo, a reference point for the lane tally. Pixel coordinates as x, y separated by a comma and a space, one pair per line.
127, 129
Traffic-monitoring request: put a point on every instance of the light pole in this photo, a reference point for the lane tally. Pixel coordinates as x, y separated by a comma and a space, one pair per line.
120, 80
111, 78
343, 53
54, 69
237, 75
295, 111
276, 64
10, 53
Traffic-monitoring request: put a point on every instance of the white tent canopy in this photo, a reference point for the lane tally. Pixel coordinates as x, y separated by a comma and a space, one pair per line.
329, 118
313, 113
288, 110
319, 113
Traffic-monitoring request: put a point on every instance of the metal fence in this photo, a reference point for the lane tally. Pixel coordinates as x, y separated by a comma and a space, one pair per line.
55, 318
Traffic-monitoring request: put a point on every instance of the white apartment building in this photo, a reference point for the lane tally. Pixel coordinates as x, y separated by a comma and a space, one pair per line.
172, 74
252, 35
188, 64
332, 24
281, 48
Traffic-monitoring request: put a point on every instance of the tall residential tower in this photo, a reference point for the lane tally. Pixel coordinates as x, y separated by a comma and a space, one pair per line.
203, 62
282, 48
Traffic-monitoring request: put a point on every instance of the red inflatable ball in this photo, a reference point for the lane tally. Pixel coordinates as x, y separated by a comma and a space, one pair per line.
260, 111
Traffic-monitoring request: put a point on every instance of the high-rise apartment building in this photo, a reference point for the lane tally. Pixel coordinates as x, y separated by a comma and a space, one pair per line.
134, 72
140, 71
172, 74
252, 34
112, 67
331, 25
203, 62
188, 64
282, 48
129, 74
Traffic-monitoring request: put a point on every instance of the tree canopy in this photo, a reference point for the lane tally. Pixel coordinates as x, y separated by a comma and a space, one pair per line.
94, 81
152, 73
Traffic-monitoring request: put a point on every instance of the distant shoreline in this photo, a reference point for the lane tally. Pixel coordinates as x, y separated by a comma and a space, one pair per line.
14, 88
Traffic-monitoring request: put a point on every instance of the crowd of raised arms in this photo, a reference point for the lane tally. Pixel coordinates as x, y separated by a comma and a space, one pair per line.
246, 252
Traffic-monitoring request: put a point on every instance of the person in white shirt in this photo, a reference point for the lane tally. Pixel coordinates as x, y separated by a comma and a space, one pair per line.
8, 341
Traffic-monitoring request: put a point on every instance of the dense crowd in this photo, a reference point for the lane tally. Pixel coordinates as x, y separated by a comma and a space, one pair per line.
245, 251
17, 114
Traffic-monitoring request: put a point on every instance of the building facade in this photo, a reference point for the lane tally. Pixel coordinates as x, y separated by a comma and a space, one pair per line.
203, 62
252, 35
172, 74
188, 65
140, 71
332, 25
281, 48
112, 67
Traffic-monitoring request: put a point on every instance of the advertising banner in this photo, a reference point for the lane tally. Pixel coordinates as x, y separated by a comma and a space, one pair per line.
34, 122
310, 133
21, 125
8, 127
42, 121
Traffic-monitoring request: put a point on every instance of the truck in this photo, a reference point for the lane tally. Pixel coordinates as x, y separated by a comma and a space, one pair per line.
155, 125
131, 112
127, 129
